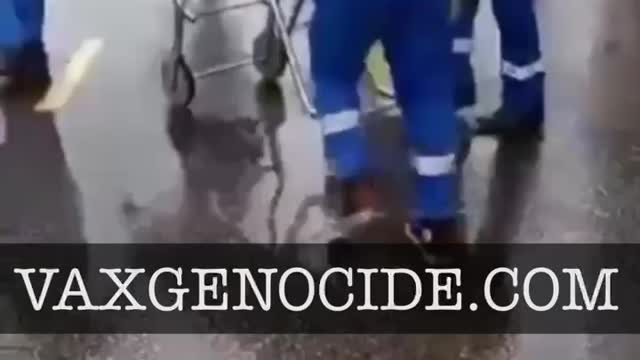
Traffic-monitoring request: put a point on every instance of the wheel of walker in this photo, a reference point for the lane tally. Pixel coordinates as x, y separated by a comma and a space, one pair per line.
270, 56
178, 81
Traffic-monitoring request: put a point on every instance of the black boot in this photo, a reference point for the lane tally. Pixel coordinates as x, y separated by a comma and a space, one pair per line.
29, 70
355, 204
508, 124
349, 197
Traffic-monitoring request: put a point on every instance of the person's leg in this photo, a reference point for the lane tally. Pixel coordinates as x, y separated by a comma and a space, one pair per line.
462, 47
523, 75
418, 44
30, 67
31, 15
340, 36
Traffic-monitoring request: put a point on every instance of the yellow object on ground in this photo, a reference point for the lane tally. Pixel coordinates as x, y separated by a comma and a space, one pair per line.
379, 70
62, 91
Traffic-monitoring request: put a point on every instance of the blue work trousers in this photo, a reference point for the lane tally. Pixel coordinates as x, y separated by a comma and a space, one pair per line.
521, 65
30, 13
417, 37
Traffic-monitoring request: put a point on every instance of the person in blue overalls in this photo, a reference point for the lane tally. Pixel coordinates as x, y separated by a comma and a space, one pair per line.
522, 110
341, 34
28, 62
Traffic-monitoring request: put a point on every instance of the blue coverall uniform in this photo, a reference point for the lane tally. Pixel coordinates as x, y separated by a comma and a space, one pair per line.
342, 32
31, 15
28, 64
22, 24
521, 67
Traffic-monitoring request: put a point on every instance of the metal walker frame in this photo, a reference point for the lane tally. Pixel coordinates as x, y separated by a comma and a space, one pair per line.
178, 79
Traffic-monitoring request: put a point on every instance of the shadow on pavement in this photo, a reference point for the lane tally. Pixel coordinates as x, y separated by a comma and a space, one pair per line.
515, 173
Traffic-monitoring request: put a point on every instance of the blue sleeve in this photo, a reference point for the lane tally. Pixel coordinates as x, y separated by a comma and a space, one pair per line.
11, 33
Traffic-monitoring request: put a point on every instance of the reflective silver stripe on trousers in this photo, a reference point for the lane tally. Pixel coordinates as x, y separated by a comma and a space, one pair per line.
522, 73
339, 122
462, 46
434, 165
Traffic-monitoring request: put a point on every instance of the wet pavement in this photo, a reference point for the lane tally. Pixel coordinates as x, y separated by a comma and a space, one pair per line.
244, 164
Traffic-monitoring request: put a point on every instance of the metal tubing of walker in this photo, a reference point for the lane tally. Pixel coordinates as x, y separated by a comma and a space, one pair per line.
239, 6
297, 8
294, 62
178, 40
193, 17
213, 70
186, 13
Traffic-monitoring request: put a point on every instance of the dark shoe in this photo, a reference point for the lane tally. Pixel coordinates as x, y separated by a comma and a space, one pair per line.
355, 205
368, 241
29, 71
353, 196
361, 196
506, 124
446, 231
441, 241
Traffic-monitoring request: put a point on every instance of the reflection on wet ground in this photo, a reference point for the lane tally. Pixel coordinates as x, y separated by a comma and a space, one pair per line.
117, 164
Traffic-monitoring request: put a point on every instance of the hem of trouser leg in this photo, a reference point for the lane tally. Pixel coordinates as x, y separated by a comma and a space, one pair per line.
361, 173
538, 76
336, 126
348, 165
522, 72
436, 168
